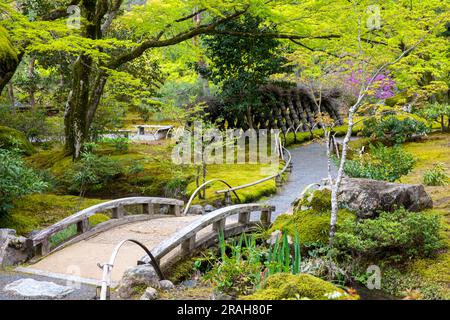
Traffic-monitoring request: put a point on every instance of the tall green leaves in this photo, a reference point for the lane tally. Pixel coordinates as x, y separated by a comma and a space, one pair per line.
279, 256
16, 180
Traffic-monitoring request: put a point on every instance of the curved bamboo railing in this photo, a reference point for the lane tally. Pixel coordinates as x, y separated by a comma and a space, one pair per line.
197, 191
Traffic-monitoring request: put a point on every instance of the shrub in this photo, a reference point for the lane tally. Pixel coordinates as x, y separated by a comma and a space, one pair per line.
383, 163
119, 144
11, 139
16, 180
391, 130
396, 236
238, 271
436, 176
439, 113
92, 172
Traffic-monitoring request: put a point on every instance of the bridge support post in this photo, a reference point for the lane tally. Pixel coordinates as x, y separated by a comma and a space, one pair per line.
83, 226
175, 210
266, 217
118, 213
244, 217
43, 248
188, 245
228, 201
219, 225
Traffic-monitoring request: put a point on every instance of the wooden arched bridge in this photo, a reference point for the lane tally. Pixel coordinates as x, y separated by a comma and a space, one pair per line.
74, 246
155, 222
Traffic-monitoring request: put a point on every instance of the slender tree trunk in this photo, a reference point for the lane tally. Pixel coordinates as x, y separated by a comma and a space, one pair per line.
31, 76
337, 183
11, 96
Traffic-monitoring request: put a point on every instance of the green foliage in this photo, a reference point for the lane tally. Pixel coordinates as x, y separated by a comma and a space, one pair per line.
11, 139
437, 112
16, 180
392, 130
436, 176
240, 66
297, 287
279, 257
238, 271
383, 163
120, 144
396, 236
92, 172
34, 123
8, 55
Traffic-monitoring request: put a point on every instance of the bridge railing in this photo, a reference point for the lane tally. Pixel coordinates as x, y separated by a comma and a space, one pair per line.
40, 244
190, 238
287, 157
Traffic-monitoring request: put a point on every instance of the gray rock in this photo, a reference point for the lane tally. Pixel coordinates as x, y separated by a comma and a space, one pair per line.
166, 285
189, 283
133, 278
164, 210
150, 294
209, 208
196, 210
38, 289
5, 233
218, 295
369, 197
12, 248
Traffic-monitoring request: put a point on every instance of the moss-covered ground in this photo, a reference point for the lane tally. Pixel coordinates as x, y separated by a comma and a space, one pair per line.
434, 148
41, 210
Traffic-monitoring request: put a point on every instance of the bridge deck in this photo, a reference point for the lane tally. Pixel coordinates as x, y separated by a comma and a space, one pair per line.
80, 259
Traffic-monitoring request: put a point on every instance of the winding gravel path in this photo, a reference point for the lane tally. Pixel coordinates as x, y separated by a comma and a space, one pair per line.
310, 166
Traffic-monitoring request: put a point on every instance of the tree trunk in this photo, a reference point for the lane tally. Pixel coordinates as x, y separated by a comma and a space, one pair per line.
8, 70
75, 117
31, 76
11, 96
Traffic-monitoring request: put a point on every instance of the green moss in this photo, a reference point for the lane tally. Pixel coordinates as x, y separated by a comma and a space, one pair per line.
313, 222
13, 139
97, 219
288, 286
8, 55
181, 271
41, 210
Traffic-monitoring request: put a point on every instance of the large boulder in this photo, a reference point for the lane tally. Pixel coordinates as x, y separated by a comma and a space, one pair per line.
13, 249
369, 197
137, 278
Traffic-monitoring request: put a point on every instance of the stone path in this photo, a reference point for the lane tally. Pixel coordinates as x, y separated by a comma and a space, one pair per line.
80, 260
